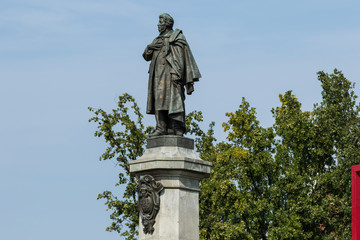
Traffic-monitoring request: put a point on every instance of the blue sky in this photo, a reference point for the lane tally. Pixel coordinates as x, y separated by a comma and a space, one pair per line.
59, 57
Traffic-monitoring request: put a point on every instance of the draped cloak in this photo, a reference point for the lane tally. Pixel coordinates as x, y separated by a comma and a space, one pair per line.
172, 68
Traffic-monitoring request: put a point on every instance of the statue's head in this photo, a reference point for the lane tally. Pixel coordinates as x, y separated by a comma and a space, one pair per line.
165, 22
144, 191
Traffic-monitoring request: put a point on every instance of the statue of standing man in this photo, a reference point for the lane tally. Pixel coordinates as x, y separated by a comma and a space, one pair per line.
172, 70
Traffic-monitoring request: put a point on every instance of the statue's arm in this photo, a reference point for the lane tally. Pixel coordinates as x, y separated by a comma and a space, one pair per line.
149, 50
148, 53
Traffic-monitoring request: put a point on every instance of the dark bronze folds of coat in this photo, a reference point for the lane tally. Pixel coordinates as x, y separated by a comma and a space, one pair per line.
149, 201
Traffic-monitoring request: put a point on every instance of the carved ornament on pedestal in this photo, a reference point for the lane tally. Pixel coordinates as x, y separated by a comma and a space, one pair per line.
149, 201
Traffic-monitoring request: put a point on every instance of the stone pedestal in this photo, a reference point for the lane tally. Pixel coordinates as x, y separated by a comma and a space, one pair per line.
172, 161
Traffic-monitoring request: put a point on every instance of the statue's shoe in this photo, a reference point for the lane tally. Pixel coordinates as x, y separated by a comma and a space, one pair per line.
179, 133
175, 132
157, 132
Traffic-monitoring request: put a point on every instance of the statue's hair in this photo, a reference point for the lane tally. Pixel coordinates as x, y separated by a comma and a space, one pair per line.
169, 21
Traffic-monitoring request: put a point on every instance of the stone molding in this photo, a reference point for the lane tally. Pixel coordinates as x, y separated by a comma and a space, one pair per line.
170, 158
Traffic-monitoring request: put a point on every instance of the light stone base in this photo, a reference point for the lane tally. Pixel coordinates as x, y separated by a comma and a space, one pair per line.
179, 170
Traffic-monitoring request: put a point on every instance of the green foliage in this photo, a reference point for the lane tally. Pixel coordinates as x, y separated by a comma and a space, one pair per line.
338, 120
243, 169
125, 138
289, 181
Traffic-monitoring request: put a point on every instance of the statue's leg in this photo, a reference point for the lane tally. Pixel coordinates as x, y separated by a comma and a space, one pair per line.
161, 117
177, 124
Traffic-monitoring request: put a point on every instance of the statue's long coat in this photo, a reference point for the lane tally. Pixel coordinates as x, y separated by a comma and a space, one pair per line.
176, 59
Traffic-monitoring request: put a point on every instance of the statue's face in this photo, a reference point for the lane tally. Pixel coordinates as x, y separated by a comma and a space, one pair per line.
161, 25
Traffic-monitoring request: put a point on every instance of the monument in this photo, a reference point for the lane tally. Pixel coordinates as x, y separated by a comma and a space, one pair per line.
172, 69
169, 172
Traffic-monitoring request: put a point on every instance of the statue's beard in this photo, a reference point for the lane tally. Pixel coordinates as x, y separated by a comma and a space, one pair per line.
161, 28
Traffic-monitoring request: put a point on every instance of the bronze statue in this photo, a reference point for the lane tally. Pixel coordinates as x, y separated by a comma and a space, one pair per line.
172, 69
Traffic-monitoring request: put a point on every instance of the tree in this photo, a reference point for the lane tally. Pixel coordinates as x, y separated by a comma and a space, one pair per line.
338, 119
240, 182
124, 144
289, 181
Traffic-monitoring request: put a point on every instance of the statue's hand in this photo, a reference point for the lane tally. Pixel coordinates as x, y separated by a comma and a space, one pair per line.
154, 46
175, 78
